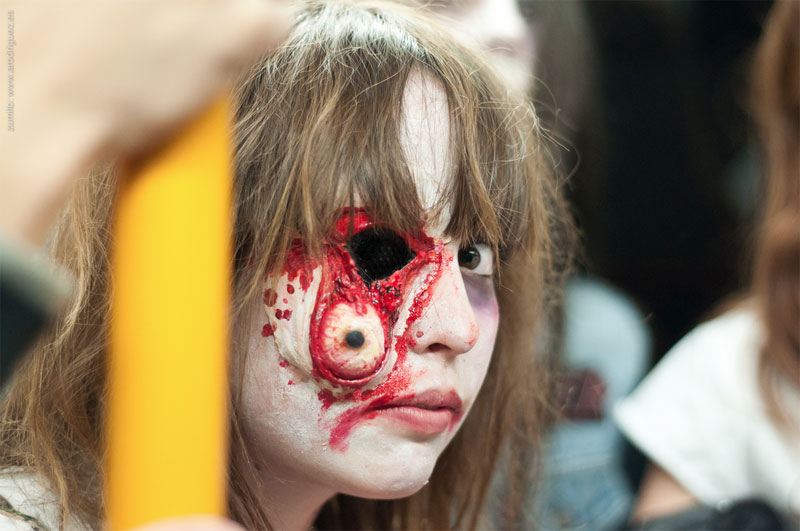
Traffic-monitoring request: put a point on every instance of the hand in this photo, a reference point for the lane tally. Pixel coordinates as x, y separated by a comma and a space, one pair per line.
94, 78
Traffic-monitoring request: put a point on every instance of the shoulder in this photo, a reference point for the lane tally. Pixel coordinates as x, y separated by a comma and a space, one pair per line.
715, 364
700, 415
703, 391
735, 333
25, 504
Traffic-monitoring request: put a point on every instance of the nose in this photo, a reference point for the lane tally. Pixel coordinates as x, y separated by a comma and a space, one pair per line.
447, 324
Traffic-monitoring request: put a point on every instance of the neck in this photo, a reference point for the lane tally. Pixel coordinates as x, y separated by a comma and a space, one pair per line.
290, 502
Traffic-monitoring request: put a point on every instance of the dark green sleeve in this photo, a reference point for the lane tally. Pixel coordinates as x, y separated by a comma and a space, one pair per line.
31, 294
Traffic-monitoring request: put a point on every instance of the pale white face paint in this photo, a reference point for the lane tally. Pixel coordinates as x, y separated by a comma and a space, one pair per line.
287, 422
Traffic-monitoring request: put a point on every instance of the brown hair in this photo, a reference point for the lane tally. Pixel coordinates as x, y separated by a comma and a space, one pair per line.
317, 127
776, 282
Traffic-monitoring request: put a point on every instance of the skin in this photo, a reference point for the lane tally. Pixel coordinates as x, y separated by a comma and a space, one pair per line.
97, 80
498, 28
292, 430
660, 495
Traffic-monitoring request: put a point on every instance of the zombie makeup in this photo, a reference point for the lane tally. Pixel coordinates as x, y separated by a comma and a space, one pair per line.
358, 334
364, 360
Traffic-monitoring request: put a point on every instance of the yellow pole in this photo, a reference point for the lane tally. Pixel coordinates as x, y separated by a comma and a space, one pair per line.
169, 329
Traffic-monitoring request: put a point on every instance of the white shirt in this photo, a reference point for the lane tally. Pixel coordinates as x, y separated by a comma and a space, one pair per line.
700, 415
25, 493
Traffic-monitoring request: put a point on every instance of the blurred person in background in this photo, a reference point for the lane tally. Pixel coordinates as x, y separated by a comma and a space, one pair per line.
719, 417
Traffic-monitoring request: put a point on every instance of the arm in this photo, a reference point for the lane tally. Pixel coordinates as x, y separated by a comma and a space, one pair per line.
660, 495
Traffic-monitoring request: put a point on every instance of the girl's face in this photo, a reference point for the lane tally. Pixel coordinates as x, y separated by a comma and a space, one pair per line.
362, 366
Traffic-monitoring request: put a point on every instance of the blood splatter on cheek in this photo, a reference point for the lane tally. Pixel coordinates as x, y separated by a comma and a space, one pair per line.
283, 314
298, 267
270, 296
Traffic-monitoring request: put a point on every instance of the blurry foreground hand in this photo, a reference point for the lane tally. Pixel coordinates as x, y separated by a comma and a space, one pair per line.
97, 79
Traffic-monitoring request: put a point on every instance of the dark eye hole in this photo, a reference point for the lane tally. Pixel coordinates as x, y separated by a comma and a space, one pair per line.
378, 252
469, 257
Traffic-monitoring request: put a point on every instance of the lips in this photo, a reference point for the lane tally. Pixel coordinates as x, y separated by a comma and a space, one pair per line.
428, 413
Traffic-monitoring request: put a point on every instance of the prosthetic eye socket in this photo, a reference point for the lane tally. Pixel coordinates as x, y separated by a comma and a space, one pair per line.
378, 252
476, 257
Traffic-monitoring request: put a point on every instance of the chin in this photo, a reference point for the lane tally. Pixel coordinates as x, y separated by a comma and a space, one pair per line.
388, 468
387, 484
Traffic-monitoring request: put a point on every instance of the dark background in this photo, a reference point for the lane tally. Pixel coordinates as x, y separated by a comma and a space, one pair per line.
666, 187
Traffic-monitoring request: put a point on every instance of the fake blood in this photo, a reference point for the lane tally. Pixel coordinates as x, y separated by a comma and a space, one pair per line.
283, 314
270, 296
298, 266
327, 399
387, 296
341, 283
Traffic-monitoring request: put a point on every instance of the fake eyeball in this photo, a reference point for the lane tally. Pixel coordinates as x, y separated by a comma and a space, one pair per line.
351, 342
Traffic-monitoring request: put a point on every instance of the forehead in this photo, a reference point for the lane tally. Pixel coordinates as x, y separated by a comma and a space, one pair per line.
425, 135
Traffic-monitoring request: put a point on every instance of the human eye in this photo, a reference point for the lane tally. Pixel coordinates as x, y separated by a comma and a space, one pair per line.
476, 258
